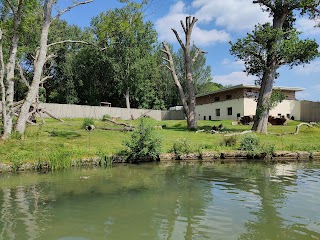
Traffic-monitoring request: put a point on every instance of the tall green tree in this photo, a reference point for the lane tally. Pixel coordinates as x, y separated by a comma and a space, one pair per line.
271, 46
129, 42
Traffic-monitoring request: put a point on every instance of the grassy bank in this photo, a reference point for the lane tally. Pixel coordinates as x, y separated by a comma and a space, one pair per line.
63, 141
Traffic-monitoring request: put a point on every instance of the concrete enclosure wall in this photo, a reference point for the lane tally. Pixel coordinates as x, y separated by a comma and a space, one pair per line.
310, 111
97, 112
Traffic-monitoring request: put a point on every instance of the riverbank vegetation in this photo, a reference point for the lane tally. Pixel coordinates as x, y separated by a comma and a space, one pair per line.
61, 142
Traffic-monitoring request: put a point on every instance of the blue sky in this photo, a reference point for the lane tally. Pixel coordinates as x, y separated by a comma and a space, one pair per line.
220, 21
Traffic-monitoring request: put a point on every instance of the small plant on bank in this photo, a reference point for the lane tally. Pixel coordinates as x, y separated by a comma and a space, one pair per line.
267, 149
87, 122
143, 143
229, 141
181, 146
249, 143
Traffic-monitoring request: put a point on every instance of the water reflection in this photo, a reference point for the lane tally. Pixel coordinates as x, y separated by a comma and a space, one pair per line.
174, 201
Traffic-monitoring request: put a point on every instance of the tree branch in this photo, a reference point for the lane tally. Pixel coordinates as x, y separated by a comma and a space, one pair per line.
22, 77
183, 27
178, 38
45, 79
175, 77
71, 41
69, 8
265, 3
11, 6
199, 51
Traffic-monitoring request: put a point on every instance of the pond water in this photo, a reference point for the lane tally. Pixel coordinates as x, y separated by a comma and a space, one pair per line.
164, 201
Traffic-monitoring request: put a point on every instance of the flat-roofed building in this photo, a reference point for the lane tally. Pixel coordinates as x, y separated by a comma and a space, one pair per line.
241, 100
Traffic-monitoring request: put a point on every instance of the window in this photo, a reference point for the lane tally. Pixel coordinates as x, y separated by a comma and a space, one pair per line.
209, 117
238, 115
216, 99
218, 112
228, 97
204, 118
229, 111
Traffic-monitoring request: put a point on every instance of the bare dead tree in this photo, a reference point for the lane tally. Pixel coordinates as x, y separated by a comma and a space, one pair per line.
7, 69
187, 97
40, 60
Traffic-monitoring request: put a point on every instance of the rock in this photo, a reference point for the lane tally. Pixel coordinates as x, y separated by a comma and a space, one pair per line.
304, 156
167, 156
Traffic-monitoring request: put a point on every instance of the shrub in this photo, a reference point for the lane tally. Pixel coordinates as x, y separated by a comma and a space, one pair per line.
268, 149
87, 122
181, 146
143, 143
229, 141
249, 143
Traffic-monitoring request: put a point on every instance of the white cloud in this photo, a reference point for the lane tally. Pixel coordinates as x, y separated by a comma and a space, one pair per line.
235, 15
313, 67
200, 36
234, 78
307, 26
239, 64
311, 93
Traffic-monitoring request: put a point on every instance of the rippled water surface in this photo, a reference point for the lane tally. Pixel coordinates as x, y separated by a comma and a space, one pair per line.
164, 201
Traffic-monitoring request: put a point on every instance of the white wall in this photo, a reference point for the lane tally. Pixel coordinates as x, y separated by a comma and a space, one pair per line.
210, 110
291, 107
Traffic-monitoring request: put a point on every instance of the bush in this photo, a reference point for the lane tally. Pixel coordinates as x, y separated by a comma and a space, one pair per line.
87, 122
229, 141
181, 146
249, 143
143, 143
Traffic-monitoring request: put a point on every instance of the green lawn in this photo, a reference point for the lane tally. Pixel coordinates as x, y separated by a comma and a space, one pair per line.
67, 139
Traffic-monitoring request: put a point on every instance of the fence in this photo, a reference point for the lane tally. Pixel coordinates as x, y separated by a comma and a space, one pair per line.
97, 112
310, 111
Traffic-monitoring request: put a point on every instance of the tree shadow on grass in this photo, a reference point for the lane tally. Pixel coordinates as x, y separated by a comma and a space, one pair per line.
64, 134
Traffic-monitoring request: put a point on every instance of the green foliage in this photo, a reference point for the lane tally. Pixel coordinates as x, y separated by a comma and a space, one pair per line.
269, 149
144, 143
276, 98
249, 143
60, 159
87, 122
228, 141
106, 116
181, 146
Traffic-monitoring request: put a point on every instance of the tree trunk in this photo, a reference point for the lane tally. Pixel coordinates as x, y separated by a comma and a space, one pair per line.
38, 69
263, 106
8, 89
191, 115
3, 89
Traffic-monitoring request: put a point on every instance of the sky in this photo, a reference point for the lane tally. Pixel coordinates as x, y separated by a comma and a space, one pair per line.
219, 22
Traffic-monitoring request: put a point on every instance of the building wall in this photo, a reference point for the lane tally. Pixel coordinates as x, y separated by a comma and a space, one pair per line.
310, 111
207, 110
220, 96
291, 107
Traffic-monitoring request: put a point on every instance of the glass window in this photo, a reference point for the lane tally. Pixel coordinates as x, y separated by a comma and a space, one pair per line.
218, 112
229, 111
